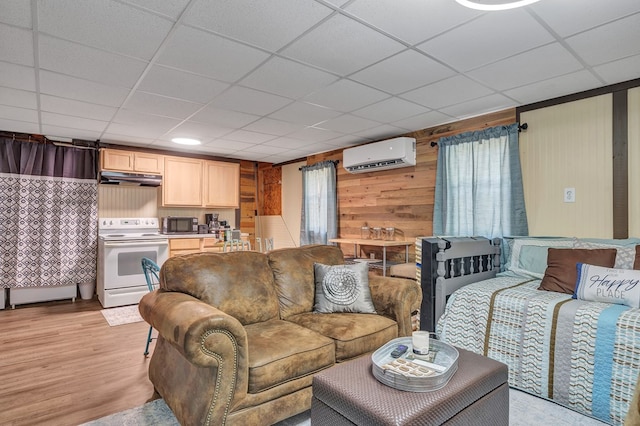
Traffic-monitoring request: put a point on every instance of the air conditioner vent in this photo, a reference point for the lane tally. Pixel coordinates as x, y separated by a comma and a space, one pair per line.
383, 155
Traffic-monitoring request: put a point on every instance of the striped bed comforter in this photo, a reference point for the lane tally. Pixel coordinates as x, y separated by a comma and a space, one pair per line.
584, 355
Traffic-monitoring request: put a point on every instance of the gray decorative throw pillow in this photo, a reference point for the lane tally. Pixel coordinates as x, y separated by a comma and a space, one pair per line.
342, 288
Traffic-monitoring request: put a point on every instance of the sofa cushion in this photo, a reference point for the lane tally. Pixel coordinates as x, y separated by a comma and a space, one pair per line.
294, 275
343, 288
238, 283
353, 334
561, 273
281, 351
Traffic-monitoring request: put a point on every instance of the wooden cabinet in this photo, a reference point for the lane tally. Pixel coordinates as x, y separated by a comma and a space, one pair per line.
182, 183
221, 184
130, 161
180, 246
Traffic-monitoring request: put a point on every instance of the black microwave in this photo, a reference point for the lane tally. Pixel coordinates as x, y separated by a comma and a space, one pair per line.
179, 225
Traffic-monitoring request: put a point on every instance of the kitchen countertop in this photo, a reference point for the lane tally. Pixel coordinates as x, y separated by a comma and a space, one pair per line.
171, 236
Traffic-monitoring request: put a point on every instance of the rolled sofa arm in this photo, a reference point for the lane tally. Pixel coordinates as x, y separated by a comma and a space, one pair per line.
396, 298
201, 351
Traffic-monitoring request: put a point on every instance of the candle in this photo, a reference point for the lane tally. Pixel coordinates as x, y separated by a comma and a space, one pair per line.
420, 342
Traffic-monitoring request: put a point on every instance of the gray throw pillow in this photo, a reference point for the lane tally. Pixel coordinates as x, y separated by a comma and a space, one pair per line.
342, 288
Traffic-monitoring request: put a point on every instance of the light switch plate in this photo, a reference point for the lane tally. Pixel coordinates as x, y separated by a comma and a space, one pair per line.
569, 195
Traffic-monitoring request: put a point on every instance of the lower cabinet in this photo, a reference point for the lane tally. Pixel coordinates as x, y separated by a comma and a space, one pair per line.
182, 246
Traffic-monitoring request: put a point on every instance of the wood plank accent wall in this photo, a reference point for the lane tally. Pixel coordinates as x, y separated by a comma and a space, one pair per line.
270, 184
401, 198
248, 199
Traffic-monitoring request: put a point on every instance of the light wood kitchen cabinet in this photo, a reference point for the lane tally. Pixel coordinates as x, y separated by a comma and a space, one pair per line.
221, 184
180, 246
131, 161
182, 183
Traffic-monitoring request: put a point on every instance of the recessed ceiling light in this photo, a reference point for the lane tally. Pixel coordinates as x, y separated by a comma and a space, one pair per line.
495, 4
186, 141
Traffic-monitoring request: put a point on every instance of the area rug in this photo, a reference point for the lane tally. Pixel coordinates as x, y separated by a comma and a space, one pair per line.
524, 410
121, 315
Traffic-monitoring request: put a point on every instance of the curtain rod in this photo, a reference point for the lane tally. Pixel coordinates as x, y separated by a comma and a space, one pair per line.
521, 127
333, 161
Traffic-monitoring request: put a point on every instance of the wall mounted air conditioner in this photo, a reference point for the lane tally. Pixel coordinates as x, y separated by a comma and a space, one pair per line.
383, 155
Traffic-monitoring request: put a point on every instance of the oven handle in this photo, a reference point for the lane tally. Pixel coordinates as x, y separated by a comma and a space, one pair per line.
138, 243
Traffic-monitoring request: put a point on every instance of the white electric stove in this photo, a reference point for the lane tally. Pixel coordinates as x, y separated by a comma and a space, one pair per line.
122, 243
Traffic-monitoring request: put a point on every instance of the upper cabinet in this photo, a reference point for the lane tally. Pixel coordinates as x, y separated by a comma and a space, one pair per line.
182, 182
130, 161
221, 184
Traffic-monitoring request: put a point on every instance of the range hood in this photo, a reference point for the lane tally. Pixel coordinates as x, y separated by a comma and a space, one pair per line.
131, 179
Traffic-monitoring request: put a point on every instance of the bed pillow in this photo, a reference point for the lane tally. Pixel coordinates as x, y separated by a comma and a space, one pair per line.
561, 273
529, 255
609, 285
625, 256
342, 288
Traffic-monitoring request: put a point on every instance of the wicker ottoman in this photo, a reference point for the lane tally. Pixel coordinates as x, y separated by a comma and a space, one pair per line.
349, 394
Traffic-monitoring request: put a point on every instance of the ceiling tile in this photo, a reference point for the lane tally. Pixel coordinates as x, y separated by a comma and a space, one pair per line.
250, 21
16, 46
19, 126
622, 70
380, 132
349, 124
129, 117
491, 103
200, 52
82, 90
115, 138
20, 114
181, 85
107, 25
265, 149
472, 51
205, 132
348, 140
138, 130
304, 113
424, 121
18, 98
161, 105
313, 134
402, 72
76, 108
273, 127
287, 78
69, 132
223, 117
447, 92
289, 143
391, 109
249, 101
342, 45
224, 143
169, 8
608, 42
250, 137
566, 19
17, 76
554, 87
53, 119
345, 95
91, 64
17, 12
412, 20
536, 65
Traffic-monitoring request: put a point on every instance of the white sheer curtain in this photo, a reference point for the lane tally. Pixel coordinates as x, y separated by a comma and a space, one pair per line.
479, 185
319, 204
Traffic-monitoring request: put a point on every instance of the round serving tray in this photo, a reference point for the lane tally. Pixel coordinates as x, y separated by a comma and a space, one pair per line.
423, 373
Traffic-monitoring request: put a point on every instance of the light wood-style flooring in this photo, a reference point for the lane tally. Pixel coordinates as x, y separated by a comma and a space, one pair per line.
62, 364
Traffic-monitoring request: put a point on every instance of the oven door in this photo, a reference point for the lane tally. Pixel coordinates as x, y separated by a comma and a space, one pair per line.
121, 261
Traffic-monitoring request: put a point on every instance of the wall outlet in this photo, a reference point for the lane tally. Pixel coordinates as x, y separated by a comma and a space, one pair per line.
569, 195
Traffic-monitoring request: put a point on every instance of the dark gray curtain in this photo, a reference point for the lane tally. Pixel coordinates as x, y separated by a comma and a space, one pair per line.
48, 214
479, 188
319, 221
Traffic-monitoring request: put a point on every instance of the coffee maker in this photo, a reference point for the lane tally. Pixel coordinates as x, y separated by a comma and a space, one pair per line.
212, 220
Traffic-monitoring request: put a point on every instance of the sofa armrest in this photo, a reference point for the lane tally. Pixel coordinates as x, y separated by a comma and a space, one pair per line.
396, 298
199, 342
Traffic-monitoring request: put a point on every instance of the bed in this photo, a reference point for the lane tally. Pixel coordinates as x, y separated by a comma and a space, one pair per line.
582, 354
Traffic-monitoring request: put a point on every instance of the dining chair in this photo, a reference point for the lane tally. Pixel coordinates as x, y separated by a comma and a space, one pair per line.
151, 270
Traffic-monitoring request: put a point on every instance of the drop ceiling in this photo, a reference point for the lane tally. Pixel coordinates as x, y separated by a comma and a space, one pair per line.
278, 80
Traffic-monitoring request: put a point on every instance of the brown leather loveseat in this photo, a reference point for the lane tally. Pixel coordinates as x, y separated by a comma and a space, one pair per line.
238, 339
